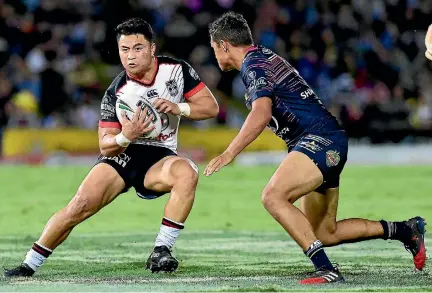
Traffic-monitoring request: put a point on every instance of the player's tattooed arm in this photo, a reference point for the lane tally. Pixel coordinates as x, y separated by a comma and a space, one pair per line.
253, 126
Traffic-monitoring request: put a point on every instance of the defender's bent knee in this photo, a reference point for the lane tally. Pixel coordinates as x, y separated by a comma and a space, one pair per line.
271, 195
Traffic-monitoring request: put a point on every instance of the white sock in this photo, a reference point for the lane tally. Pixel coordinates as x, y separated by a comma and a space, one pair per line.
34, 258
168, 233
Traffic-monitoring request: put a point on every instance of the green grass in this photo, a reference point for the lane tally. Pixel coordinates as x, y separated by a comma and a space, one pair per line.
230, 243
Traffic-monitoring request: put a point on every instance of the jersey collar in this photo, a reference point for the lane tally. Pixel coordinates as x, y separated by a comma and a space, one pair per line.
252, 48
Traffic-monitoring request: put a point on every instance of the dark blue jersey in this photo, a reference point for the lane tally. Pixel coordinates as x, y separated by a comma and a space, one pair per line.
296, 109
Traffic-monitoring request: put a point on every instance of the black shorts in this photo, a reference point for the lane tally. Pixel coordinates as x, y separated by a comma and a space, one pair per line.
133, 164
329, 151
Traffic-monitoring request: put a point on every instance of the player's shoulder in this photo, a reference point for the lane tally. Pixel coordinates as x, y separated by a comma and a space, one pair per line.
169, 60
173, 61
119, 81
257, 56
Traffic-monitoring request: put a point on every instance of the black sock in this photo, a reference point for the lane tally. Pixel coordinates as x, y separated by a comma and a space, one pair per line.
396, 230
318, 256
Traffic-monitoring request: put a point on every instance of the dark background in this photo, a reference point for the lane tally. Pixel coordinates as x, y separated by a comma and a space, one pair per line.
365, 59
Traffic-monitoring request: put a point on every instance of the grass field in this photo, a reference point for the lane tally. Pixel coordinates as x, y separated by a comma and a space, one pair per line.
229, 244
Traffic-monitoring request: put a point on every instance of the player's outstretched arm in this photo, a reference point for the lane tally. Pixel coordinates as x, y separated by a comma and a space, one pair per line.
200, 106
254, 125
428, 43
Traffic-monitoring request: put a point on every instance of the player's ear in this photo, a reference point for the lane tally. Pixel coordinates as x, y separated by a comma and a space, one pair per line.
223, 44
153, 49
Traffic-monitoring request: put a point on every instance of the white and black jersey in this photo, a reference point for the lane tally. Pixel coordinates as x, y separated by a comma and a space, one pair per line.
174, 80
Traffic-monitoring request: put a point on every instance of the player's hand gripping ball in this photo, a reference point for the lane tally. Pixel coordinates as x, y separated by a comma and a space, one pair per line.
138, 110
168, 107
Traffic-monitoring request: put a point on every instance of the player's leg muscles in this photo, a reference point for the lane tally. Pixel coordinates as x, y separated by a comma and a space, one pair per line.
180, 177
296, 176
321, 211
98, 189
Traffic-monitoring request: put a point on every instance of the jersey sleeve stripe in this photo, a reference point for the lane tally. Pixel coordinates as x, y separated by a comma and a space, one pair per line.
106, 124
193, 91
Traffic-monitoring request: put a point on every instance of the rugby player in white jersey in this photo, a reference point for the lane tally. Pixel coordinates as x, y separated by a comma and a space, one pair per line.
152, 167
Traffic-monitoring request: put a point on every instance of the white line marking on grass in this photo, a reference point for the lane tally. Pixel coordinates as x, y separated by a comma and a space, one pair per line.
149, 280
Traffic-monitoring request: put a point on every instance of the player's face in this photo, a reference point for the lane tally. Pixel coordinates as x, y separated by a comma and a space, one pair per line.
136, 53
222, 57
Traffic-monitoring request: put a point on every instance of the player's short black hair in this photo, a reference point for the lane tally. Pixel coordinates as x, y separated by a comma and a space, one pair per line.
135, 26
231, 27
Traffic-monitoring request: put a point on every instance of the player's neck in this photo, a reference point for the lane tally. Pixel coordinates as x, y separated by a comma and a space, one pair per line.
146, 76
240, 55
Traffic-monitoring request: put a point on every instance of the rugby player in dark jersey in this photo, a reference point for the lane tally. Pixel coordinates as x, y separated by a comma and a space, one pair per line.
279, 98
127, 160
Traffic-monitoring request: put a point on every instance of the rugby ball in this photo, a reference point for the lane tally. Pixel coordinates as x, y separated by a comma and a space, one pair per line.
130, 102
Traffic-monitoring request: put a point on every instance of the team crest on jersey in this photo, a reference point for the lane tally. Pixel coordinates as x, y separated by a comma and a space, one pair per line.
332, 158
172, 87
193, 73
267, 51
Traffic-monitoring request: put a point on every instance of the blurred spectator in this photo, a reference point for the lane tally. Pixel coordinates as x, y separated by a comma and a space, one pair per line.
6, 92
53, 97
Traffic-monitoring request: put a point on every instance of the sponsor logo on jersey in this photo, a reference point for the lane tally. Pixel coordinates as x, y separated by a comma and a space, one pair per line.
152, 94
193, 73
105, 115
172, 87
307, 93
107, 110
257, 84
319, 139
108, 107
163, 137
310, 146
284, 131
105, 99
122, 159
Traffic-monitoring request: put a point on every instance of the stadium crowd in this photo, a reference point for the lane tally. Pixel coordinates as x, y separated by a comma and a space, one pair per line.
364, 59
